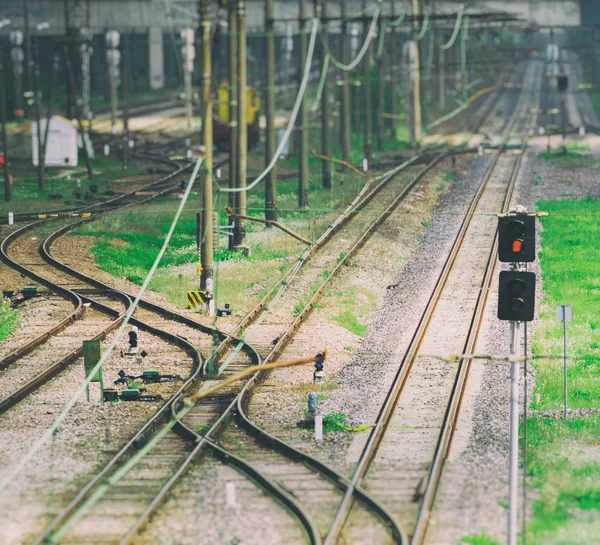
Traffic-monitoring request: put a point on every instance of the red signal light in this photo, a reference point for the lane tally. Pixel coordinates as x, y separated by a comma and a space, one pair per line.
517, 246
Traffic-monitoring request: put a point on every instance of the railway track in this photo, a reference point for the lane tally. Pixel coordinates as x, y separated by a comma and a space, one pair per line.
204, 414
425, 429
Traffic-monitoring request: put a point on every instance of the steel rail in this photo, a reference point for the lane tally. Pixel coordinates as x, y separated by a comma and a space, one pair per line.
387, 408
245, 394
458, 389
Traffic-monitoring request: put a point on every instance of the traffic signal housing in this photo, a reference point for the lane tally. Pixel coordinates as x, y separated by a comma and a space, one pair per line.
516, 238
516, 296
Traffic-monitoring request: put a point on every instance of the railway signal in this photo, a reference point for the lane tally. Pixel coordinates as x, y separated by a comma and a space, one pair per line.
516, 238
516, 296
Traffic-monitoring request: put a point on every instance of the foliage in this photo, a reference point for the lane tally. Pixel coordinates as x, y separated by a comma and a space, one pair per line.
573, 158
335, 422
348, 320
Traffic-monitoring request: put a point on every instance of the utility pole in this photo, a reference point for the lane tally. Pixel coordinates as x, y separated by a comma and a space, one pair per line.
368, 125
380, 95
416, 79
7, 187
207, 255
345, 136
441, 76
124, 92
188, 54
239, 228
321, 6
17, 57
113, 57
271, 180
38, 118
393, 71
302, 123
233, 85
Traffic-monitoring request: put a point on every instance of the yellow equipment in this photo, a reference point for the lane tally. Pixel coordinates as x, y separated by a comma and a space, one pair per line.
223, 103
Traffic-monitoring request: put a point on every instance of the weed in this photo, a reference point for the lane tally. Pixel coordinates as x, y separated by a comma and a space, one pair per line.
448, 175
425, 223
335, 422
570, 159
350, 348
203, 429
537, 180
8, 319
341, 257
479, 539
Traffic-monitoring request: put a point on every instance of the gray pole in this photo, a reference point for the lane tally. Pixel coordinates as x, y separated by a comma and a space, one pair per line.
393, 69
271, 181
368, 126
207, 254
239, 231
325, 110
514, 435
125, 110
38, 116
7, 188
525, 401
302, 123
380, 97
233, 84
345, 89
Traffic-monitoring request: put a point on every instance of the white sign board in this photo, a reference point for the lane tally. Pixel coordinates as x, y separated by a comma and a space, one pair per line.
564, 313
155, 54
62, 142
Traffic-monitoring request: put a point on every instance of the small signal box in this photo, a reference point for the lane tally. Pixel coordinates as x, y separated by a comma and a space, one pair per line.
516, 296
516, 238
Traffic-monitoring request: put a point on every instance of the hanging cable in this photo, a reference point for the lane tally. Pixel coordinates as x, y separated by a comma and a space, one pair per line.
379, 52
322, 80
292, 120
423, 30
400, 19
28, 457
370, 35
446, 46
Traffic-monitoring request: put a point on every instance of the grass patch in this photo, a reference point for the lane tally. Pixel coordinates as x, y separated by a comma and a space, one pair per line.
563, 463
479, 539
348, 320
570, 262
9, 319
573, 158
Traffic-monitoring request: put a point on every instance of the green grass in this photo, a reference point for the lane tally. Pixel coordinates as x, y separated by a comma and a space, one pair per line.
26, 195
8, 319
563, 465
348, 320
565, 469
573, 158
570, 261
479, 539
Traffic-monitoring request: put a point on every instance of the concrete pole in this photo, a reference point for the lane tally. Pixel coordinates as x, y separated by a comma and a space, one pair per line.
345, 113
368, 124
302, 123
7, 187
380, 123
393, 70
207, 251
441, 76
271, 180
187, 76
321, 5
124, 91
233, 84
38, 118
239, 229
416, 81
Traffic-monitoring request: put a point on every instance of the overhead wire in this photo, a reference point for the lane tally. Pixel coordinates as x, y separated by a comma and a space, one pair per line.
450, 42
29, 455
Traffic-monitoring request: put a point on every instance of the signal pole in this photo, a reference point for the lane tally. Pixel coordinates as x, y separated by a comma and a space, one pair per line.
368, 126
271, 181
7, 187
233, 84
207, 255
302, 125
124, 92
239, 228
345, 88
321, 6
36, 100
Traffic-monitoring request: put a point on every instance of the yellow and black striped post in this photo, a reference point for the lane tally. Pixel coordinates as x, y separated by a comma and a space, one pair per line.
196, 299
